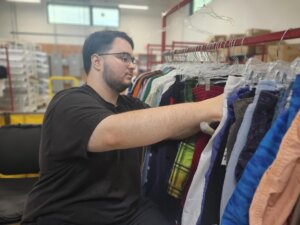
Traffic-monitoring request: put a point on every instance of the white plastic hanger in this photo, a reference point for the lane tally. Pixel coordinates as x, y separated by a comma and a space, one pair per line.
280, 71
295, 68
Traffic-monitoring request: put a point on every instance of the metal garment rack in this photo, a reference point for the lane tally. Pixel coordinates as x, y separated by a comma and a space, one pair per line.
246, 41
151, 48
261, 39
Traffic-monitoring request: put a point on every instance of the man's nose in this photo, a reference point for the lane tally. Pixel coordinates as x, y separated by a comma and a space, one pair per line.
131, 65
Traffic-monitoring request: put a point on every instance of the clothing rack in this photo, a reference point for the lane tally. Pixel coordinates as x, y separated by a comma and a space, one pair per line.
246, 41
151, 48
157, 47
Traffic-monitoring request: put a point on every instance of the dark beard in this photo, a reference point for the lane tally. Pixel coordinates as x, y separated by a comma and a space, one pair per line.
113, 84
121, 88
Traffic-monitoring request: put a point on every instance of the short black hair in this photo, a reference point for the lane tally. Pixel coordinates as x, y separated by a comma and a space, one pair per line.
100, 41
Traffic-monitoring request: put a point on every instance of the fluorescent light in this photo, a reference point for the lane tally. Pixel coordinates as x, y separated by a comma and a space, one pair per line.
140, 7
25, 1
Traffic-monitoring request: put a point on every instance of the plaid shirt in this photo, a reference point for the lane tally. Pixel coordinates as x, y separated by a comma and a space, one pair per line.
181, 167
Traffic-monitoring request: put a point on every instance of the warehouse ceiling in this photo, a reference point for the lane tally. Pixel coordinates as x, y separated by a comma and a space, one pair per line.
136, 2
156, 7
116, 2
162, 4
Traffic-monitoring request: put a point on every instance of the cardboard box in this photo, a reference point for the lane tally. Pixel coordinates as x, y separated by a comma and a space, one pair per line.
236, 36
239, 50
263, 58
217, 38
222, 54
255, 32
286, 52
258, 49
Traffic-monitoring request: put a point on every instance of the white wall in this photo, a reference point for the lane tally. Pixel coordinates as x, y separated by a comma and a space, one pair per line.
143, 26
276, 15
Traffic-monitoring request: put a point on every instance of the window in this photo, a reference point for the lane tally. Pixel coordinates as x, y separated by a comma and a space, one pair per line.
67, 14
105, 17
198, 4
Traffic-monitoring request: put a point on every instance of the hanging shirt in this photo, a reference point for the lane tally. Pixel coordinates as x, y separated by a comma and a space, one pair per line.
215, 174
230, 181
200, 93
155, 92
181, 167
295, 216
283, 100
147, 87
160, 165
161, 162
191, 211
237, 209
240, 107
279, 188
138, 83
260, 124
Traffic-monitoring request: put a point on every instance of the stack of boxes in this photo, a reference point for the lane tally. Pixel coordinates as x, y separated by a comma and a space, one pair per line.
266, 52
43, 73
24, 76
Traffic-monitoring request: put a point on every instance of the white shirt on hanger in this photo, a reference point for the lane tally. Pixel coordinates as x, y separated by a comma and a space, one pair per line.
192, 207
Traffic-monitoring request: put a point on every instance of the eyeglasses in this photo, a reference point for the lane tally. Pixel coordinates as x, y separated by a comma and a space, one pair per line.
124, 56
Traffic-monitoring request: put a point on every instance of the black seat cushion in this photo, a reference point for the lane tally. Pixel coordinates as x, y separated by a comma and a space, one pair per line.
19, 149
13, 195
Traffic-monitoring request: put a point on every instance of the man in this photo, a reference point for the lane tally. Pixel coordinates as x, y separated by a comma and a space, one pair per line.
90, 146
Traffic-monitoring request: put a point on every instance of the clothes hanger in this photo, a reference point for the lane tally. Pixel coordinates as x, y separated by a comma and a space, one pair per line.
235, 65
254, 71
211, 69
295, 68
206, 10
244, 60
202, 65
280, 71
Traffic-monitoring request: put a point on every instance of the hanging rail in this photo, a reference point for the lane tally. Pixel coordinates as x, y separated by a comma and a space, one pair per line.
157, 47
185, 44
150, 49
276, 36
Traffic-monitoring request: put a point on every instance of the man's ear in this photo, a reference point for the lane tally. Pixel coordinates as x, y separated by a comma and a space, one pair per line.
96, 62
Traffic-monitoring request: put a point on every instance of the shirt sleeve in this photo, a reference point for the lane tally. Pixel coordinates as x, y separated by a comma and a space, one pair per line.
71, 123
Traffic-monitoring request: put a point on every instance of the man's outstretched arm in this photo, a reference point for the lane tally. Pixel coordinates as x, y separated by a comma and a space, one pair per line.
148, 126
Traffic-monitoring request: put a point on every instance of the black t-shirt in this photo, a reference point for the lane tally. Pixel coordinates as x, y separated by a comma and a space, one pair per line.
77, 186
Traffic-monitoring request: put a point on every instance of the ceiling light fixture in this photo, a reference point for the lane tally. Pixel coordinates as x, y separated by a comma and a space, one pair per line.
25, 1
140, 7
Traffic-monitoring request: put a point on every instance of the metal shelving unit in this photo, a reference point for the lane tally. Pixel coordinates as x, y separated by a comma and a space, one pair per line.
21, 92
